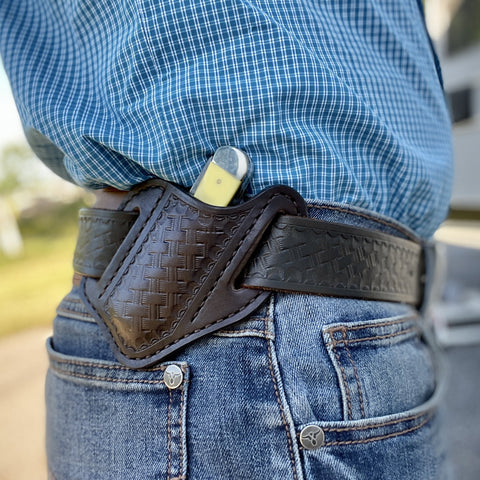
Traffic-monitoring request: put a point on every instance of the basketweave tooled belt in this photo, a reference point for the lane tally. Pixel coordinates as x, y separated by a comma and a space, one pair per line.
165, 269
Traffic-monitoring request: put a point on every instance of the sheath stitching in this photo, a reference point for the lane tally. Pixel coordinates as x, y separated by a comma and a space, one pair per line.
234, 254
120, 263
217, 321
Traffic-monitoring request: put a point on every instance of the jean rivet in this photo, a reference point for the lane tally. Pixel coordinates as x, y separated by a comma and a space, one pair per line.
173, 376
312, 437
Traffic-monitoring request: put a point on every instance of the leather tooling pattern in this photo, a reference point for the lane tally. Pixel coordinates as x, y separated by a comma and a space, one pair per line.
337, 260
173, 278
176, 257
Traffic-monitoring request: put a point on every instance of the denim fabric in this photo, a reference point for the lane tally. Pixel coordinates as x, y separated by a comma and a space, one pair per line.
362, 371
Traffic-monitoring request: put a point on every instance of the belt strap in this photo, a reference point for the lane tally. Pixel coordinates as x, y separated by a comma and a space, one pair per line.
298, 255
166, 269
101, 232
304, 255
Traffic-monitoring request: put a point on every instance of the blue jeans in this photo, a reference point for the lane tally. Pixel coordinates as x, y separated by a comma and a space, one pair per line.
359, 374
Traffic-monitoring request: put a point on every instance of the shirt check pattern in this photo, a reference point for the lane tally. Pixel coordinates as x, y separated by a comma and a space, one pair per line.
338, 99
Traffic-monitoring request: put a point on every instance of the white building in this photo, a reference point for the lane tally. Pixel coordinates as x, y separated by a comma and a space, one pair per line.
455, 28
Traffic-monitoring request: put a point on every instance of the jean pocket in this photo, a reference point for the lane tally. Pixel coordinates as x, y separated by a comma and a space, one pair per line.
383, 366
390, 385
105, 421
404, 445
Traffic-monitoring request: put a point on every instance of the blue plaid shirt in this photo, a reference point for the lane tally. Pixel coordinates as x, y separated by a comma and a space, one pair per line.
340, 99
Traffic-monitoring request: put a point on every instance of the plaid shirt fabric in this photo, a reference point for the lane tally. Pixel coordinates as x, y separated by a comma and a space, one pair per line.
340, 99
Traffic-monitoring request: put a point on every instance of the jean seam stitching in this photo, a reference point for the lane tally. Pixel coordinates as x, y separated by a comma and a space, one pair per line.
357, 379
380, 437
375, 325
344, 377
105, 379
282, 413
107, 367
247, 330
71, 299
169, 434
180, 422
368, 217
378, 425
335, 342
65, 309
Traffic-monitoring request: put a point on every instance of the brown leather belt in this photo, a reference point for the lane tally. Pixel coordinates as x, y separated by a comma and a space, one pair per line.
165, 269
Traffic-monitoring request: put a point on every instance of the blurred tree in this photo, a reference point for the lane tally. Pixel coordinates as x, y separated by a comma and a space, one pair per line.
464, 30
14, 160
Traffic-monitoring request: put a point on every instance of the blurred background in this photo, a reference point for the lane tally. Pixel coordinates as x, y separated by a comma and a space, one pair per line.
38, 216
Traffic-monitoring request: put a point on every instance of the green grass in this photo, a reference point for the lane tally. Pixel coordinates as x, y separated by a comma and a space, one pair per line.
32, 284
